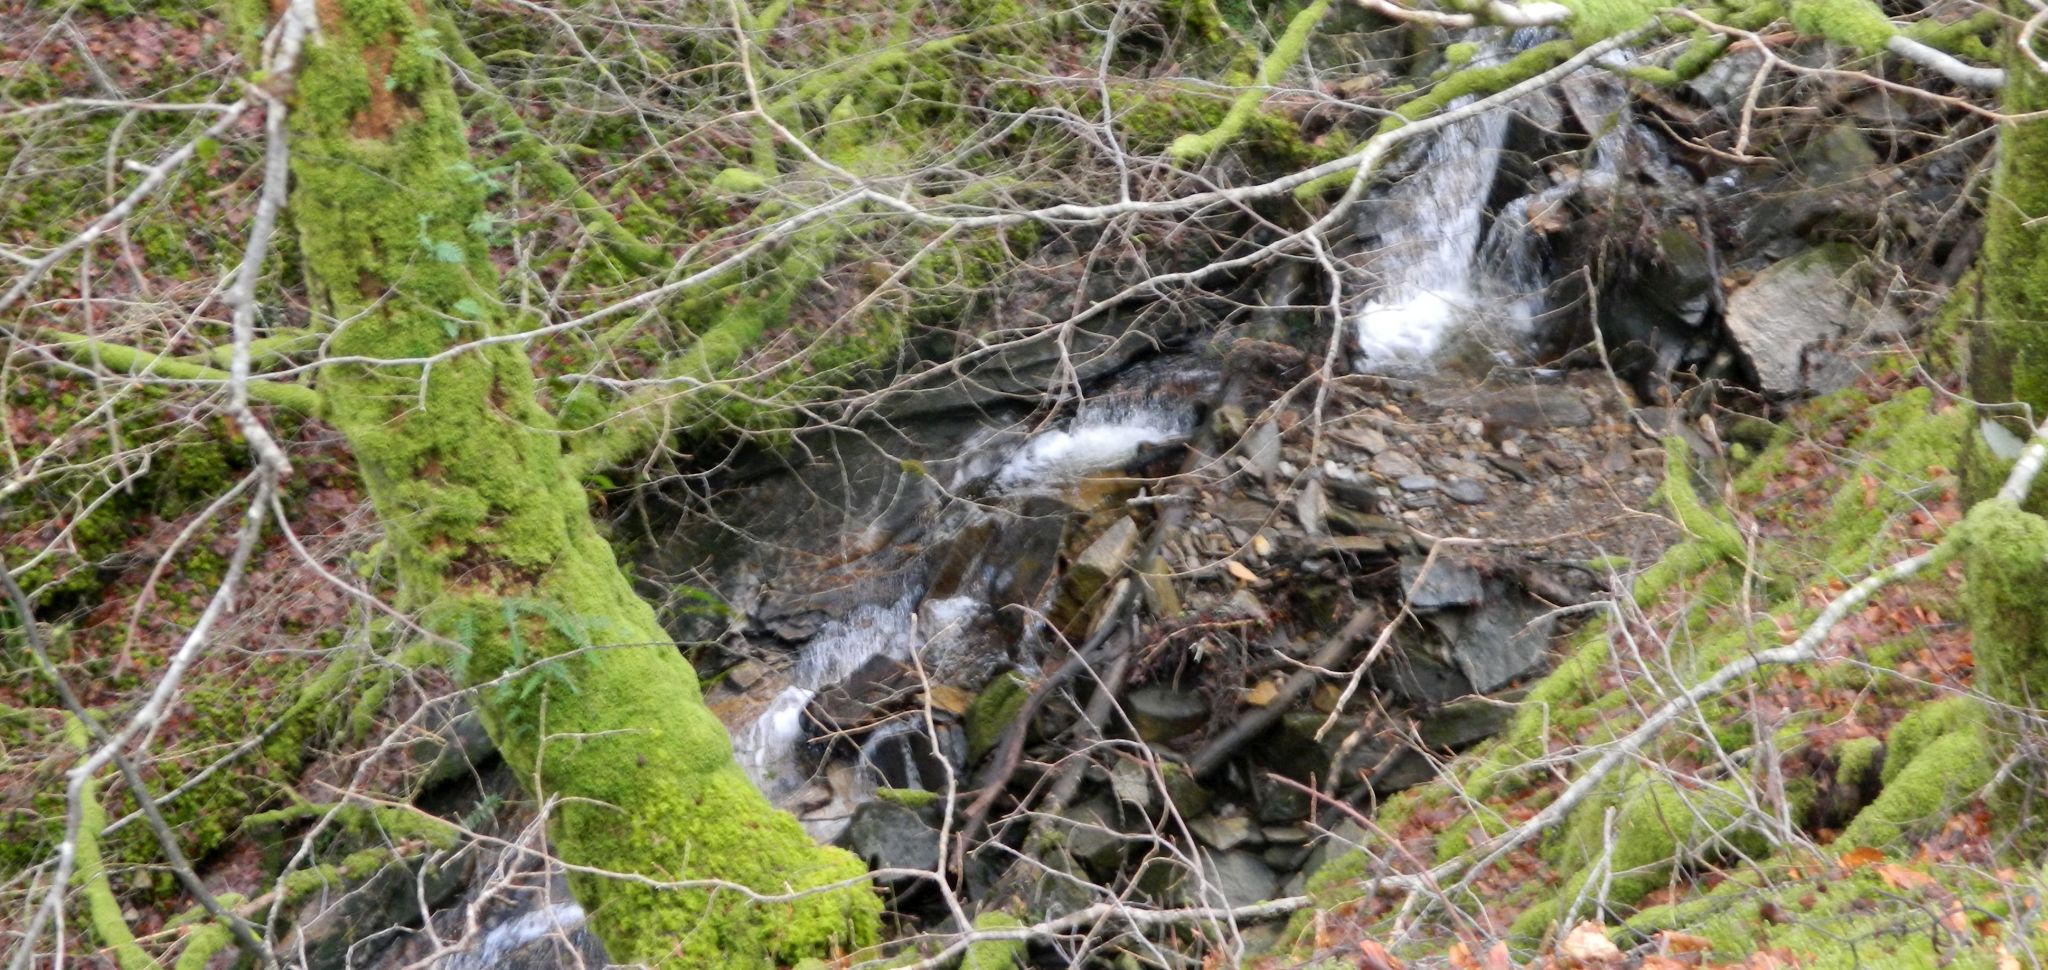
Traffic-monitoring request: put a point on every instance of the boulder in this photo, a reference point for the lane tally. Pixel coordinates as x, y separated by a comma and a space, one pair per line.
1795, 319
887, 835
1241, 878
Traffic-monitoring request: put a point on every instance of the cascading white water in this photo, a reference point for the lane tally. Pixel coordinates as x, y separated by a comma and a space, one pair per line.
1434, 276
1104, 433
1429, 234
501, 940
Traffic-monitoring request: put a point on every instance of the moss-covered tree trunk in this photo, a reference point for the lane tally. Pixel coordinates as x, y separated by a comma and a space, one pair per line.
2007, 588
493, 538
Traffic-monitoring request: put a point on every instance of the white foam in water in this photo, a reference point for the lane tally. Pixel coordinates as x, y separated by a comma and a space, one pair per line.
501, 940
1106, 438
843, 645
1426, 269
766, 748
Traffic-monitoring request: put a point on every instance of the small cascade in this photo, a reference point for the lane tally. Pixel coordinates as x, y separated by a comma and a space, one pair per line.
1431, 230
1442, 267
508, 937
1103, 435
924, 614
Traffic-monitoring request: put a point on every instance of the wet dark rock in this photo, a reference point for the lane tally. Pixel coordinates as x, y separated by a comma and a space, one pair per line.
1093, 835
350, 923
1162, 713
910, 758
1276, 803
1465, 722
454, 748
881, 685
886, 835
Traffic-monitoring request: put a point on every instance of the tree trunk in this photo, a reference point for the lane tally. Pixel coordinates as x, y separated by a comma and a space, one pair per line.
493, 538
2006, 569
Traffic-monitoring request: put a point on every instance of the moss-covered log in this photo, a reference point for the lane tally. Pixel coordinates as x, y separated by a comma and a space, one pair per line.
493, 537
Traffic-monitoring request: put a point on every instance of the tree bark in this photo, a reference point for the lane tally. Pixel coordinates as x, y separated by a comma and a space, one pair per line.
493, 538
2007, 566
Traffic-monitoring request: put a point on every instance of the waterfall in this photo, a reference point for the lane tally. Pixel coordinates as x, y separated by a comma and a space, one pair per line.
1433, 277
1433, 221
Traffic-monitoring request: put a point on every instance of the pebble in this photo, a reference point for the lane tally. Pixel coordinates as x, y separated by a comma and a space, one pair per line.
1510, 449
1393, 464
1417, 483
1466, 490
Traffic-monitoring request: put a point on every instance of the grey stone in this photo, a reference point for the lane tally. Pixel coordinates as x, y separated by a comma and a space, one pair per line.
889, 836
1466, 491
1162, 713
1417, 483
1535, 407
1395, 465
1447, 583
1793, 321
1102, 559
1221, 833
1240, 878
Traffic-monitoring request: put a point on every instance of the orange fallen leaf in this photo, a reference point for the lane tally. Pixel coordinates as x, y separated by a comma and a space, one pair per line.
1372, 956
1675, 942
1861, 856
1902, 878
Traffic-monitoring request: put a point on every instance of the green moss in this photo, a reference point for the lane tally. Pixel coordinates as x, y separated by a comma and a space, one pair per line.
494, 543
1286, 51
2005, 571
907, 797
1847, 921
738, 181
995, 954
1657, 827
1917, 798
1717, 534
1856, 761
1461, 54
103, 910
1594, 20
384, 822
1860, 24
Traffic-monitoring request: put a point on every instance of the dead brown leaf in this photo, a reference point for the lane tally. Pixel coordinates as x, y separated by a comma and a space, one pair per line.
1372, 956
1587, 945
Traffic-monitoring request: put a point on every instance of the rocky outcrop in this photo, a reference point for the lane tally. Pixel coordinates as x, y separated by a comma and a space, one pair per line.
1799, 322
